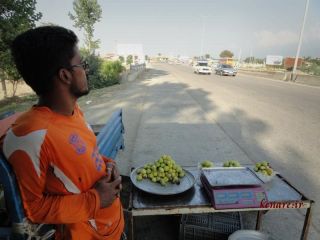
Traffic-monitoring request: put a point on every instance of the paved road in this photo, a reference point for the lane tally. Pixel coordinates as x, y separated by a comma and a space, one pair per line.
193, 117
268, 119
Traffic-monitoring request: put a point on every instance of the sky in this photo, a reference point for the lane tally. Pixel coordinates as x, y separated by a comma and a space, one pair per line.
190, 28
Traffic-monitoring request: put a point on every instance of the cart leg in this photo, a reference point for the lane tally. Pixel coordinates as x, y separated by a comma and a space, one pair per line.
131, 237
259, 219
306, 224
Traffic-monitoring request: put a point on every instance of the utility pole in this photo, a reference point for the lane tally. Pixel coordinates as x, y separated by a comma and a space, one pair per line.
239, 57
300, 41
203, 34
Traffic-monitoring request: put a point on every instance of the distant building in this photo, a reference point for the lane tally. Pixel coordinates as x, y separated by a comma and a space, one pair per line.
184, 59
110, 56
289, 62
136, 50
226, 60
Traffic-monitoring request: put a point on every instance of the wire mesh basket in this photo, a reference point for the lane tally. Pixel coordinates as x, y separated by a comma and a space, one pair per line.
209, 226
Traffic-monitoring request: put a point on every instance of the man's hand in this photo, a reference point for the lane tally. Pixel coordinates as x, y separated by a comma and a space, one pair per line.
109, 169
113, 170
108, 190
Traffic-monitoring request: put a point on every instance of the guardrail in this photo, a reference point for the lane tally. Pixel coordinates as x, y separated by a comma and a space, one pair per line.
137, 67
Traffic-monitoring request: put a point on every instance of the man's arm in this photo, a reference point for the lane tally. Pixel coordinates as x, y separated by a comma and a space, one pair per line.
64, 209
29, 158
41, 207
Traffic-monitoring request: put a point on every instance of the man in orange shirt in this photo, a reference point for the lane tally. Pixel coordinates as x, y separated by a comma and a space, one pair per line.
62, 178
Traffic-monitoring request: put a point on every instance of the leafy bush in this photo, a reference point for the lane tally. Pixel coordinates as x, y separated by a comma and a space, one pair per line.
313, 69
95, 79
316, 70
111, 71
101, 73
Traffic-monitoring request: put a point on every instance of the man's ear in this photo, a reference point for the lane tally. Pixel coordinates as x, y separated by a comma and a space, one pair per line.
65, 76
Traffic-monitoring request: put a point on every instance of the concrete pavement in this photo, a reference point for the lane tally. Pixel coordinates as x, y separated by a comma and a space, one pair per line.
160, 117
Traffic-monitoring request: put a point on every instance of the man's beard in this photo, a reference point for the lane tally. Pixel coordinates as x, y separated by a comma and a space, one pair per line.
75, 91
78, 93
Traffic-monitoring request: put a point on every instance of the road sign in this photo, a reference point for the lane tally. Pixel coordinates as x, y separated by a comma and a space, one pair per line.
274, 60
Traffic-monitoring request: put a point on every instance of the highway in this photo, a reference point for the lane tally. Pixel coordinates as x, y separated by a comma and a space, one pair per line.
171, 110
269, 120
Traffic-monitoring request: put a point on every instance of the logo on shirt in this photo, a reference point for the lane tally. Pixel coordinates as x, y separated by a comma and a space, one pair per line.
98, 161
78, 144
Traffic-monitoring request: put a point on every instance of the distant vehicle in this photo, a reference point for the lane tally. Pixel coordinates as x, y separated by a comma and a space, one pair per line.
225, 69
214, 66
202, 67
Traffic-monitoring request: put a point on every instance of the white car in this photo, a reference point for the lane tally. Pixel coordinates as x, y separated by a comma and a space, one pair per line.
202, 67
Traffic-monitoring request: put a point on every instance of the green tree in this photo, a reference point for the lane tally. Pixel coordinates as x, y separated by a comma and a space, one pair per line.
254, 60
311, 66
11, 74
259, 60
129, 59
87, 13
16, 16
249, 60
95, 63
207, 56
135, 59
226, 53
121, 59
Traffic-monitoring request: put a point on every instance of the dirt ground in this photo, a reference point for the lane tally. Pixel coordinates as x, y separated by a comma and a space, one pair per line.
22, 90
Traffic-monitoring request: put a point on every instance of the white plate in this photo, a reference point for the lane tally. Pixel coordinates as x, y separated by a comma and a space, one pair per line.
217, 165
248, 235
147, 185
263, 177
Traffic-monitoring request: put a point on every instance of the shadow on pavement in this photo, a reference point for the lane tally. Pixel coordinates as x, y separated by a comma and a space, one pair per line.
174, 113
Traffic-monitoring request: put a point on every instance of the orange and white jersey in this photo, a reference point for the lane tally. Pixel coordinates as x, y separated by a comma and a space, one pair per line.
56, 161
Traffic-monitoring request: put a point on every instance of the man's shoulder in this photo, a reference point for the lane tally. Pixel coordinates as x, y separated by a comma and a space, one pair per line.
27, 133
32, 120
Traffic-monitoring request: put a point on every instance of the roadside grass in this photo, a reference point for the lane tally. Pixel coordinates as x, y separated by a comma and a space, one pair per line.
23, 103
95, 96
17, 104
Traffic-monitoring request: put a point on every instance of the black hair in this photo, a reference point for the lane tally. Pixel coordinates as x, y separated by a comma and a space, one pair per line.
39, 53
